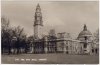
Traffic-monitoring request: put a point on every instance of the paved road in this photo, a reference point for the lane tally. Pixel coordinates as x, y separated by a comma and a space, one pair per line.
50, 59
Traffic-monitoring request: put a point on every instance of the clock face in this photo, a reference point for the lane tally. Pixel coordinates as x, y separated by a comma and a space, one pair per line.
37, 10
38, 14
38, 18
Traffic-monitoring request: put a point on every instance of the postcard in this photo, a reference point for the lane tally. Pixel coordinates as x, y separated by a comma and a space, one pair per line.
49, 32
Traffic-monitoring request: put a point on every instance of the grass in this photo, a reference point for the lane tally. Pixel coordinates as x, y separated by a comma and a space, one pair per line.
50, 59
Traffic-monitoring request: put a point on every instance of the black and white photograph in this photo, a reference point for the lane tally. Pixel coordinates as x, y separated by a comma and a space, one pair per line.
49, 32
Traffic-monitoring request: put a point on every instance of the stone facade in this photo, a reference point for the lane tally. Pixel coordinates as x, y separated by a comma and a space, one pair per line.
61, 42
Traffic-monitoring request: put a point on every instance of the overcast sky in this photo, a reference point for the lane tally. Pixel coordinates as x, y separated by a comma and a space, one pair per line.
67, 16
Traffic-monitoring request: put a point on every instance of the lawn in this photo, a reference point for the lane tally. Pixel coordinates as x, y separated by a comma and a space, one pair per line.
49, 59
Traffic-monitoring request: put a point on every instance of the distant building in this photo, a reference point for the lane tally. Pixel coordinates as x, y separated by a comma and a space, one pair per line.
86, 40
61, 42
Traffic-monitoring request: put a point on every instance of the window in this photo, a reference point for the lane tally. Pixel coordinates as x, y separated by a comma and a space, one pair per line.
85, 45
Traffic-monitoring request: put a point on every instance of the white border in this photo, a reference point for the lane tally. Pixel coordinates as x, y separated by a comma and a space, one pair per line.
47, 0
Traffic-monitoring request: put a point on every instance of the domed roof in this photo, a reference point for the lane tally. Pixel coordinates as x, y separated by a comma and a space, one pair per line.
85, 32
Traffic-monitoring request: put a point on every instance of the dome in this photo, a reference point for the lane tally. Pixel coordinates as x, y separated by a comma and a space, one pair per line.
84, 33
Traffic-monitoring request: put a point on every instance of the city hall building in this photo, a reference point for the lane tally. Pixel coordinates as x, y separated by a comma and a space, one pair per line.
60, 42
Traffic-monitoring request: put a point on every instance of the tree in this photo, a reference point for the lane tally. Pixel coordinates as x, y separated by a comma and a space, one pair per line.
30, 41
18, 32
52, 32
9, 33
96, 36
5, 34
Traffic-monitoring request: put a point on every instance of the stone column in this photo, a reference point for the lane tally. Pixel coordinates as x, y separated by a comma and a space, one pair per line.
32, 49
69, 47
45, 48
64, 46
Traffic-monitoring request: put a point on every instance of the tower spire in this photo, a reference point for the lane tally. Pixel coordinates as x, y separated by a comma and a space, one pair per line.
38, 9
38, 16
85, 27
38, 5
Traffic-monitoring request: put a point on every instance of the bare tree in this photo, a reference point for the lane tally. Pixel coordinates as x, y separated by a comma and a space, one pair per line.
10, 33
18, 32
96, 36
5, 33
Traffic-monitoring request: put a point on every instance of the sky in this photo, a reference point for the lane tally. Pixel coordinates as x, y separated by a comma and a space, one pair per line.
63, 16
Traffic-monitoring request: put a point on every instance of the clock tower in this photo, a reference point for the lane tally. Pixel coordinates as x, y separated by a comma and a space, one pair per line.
38, 23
